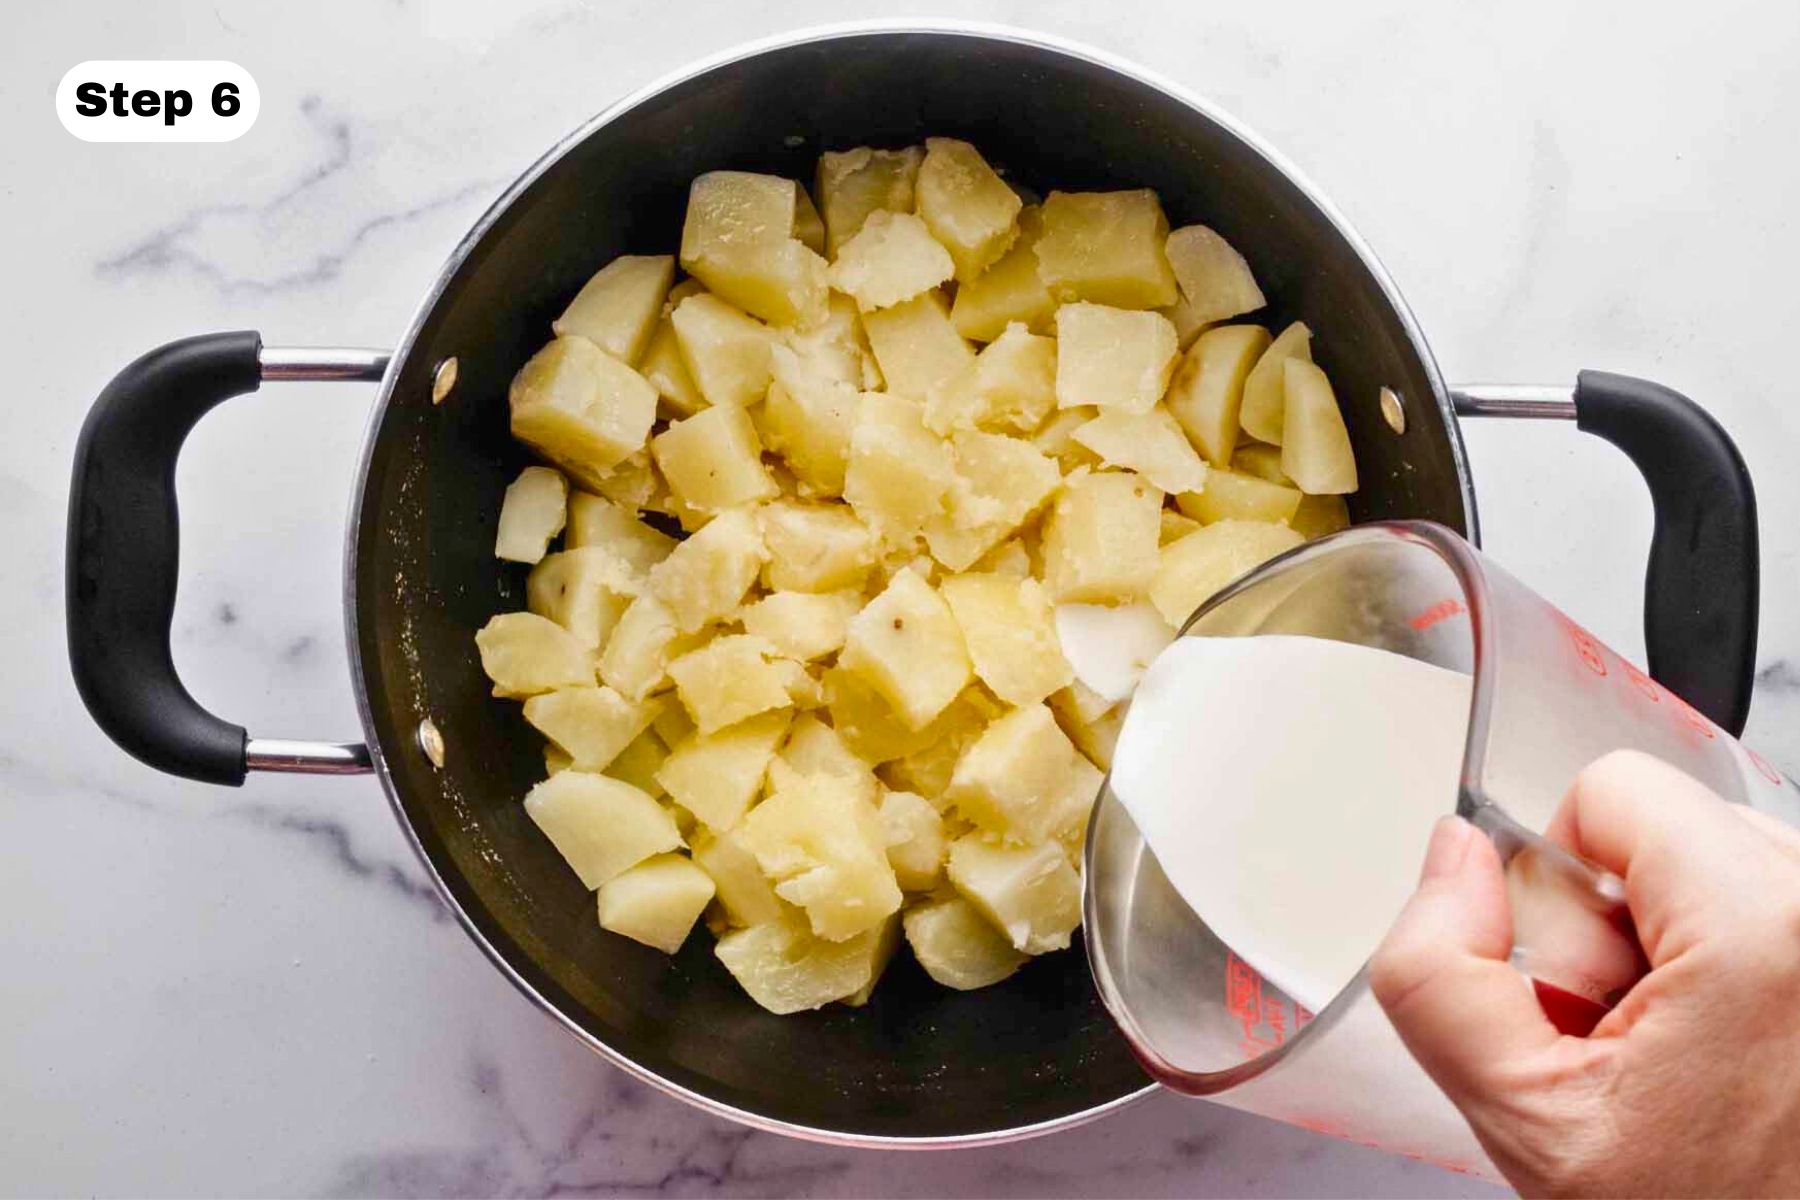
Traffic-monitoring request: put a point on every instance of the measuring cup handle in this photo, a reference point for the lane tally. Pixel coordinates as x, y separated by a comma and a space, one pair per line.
1700, 592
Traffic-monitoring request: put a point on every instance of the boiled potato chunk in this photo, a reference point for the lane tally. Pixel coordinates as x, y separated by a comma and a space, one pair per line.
1011, 388
926, 768
885, 940
725, 351
1265, 388
815, 748
1207, 392
1008, 558
809, 225
665, 370
915, 840
531, 513
584, 590
617, 309
1204, 561
602, 827
892, 258
525, 654
716, 776
999, 483
638, 763
787, 969
713, 460
743, 890
632, 483
803, 626
1260, 460
838, 348
598, 523
1214, 278
656, 902
705, 577
1101, 539
855, 183
1107, 247
958, 947
592, 724
738, 241
1315, 445
1229, 494
1150, 443
908, 647
1009, 626
1029, 893
635, 661
1176, 525
728, 679
814, 547
900, 473
823, 845
1090, 720
1056, 437
1022, 778
807, 418
581, 408
915, 345
1319, 515
1112, 357
1009, 292
966, 204
866, 721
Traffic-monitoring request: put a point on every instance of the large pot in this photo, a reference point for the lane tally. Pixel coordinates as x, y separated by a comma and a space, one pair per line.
920, 1065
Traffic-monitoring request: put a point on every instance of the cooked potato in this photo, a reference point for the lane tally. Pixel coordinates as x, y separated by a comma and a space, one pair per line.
728, 679
531, 513
743, 890
739, 241
591, 724
1112, 357
892, 258
1000, 482
1016, 780
1319, 515
581, 408
907, 646
600, 826
823, 846
1214, 278
1008, 558
635, 659
958, 947
1029, 893
713, 460
1056, 437
1229, 494
900, 473
1260, 460
704, 579
884, 940
1175, 525
1204, 561
837, 349
1108, 248
787, 969
1265, 388
525, 654
803, 626
1090, 720
1101, 539
855, 183
716, 776
807, 418
1315, 445
915, 345
1184, 317
656, 902
866, 721
584, 590
1009, 292
598, 523
967, 206
814, 547
916, 845
1009, 626
1149, 443
632, 483
617, 309
809, 225
926, 768
1207, 392
725, 351
1010, 389
638, 763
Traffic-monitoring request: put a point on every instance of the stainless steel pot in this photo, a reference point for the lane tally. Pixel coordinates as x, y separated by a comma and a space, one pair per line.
919, 1066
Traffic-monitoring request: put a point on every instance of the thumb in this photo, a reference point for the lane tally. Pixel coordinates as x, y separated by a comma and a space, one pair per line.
1442, 973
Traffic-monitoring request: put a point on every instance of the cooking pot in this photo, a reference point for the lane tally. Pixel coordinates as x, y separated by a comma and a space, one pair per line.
920, 1065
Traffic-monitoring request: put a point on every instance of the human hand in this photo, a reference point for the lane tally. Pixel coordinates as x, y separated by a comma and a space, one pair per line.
1691, 1085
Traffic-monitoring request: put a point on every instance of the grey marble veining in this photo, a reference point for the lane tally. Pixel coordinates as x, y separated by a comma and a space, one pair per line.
257, 992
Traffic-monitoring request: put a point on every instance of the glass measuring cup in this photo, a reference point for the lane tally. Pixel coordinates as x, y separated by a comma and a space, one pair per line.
1547, 699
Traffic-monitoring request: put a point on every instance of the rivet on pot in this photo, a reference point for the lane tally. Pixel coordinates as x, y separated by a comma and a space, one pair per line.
443, 380
1393, 411
430, 740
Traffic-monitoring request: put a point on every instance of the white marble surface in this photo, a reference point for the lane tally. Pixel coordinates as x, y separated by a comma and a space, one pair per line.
257, 993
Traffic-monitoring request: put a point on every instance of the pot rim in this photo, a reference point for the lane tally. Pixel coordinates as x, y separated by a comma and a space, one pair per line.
747, 50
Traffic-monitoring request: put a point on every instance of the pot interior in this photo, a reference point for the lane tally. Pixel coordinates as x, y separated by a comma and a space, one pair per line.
919, 1061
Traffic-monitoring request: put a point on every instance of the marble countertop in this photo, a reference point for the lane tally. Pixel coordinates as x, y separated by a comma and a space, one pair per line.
258, 993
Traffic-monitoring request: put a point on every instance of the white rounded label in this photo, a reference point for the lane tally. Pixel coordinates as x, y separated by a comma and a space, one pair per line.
105, 101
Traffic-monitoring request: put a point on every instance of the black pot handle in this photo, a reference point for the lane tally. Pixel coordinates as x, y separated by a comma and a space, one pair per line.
124, 553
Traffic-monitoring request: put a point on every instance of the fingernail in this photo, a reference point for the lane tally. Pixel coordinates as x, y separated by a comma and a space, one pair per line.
1451, 838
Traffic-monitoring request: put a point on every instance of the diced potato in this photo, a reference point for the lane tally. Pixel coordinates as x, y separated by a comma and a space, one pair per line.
803, 626
809, 226
635, 661
1214, 278
907, 646
852, 184
591, 724
900, 473
1315, 445
1112, 357
1009, 292
632, 483
618, 308
1000, 483
967, 206
706, 576
598, 523
927, 769
602, 827
584, 590
915, 345
1090, 720
673, 725
1265, 390
743, 891
1056, 437
807, 418
1029, 893
1107, 247
1101, 539
665, 370
1229, 494
656, 902
814, 547
525, 654
823, 846
915, 840
1319, 515
555, 760
716, 776
1095, 740
867, 722
1175, 525
1207, 392
1260, 460
581, 408
531, 513
958, 947
738, 240
838, 349
1008, 558
1204, 561
804, 684
786, 969
1183, 316
638, 763
892, 258
1010, 629
1082, 703
885, 939
1150, 443
1022, 778
728, 679
713, 460
725, 351
814, 748
1011, 388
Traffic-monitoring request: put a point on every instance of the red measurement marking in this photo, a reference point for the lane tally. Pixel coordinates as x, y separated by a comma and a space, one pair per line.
1692, 717
1763, 768
1587, 646
1437, 614
1648, 686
